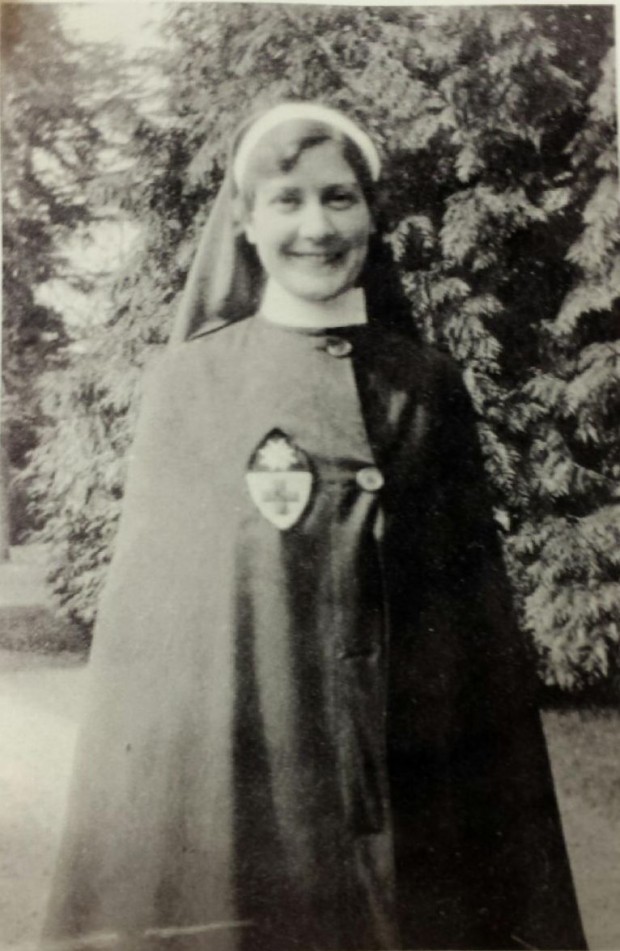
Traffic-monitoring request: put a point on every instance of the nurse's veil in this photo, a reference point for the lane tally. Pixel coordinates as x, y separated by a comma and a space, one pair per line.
223, 283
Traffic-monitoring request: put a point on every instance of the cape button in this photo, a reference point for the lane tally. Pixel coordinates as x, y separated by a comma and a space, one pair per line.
369, 479
339, 347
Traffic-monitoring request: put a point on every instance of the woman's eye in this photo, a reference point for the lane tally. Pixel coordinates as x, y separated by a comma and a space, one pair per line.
341, 199
286, 200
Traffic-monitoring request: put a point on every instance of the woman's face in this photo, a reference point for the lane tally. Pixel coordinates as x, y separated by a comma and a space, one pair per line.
311, 225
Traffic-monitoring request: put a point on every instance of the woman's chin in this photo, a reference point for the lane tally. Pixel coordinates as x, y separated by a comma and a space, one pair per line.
320, 291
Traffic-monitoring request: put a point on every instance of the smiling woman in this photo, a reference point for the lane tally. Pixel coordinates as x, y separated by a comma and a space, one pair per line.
311, 225
311, 722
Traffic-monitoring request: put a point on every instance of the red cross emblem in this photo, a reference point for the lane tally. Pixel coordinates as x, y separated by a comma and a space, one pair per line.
279, 479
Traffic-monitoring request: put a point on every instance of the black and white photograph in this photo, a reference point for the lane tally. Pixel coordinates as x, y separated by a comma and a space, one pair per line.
310, 477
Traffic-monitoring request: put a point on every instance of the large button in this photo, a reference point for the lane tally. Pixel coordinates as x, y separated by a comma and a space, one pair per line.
339, 347
369, 479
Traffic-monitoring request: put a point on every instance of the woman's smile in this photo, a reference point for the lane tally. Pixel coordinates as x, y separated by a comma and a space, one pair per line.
311, 225
318, 258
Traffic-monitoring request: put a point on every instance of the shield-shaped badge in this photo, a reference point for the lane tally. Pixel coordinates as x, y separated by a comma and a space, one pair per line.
279, 479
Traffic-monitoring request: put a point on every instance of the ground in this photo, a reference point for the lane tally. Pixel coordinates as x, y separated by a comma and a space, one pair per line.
584, 754
39, 701
39, 708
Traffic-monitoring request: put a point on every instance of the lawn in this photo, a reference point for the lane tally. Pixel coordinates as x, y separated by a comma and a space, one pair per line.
584, 747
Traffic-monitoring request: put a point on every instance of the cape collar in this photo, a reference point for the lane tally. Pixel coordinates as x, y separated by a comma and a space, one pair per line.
280, 307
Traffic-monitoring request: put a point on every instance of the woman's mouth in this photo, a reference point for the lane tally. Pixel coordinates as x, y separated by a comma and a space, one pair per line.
319, 258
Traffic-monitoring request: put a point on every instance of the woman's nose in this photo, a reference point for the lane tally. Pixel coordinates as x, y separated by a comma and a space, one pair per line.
315, 221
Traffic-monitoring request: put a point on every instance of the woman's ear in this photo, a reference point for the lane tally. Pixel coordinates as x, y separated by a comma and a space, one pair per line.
243, 222
248, 227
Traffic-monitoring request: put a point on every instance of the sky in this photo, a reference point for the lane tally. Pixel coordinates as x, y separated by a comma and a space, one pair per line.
132, 25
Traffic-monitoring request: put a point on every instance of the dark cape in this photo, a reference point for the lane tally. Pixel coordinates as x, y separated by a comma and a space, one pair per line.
322, 736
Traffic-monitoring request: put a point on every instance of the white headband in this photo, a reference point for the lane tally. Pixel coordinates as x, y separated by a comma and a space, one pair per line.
304, 110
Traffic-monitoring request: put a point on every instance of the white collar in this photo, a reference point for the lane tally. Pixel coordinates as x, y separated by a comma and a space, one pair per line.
280, 307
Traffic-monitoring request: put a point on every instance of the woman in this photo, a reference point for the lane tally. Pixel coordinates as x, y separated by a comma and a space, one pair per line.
310, 725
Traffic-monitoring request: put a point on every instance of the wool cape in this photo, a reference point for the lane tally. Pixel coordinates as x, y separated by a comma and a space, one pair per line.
322, 737
310, 722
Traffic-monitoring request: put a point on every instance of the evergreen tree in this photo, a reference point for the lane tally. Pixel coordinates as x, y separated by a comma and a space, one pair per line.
568, 543
498, 135
48, 145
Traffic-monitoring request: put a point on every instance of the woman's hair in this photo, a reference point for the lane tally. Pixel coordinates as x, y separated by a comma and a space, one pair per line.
279, 150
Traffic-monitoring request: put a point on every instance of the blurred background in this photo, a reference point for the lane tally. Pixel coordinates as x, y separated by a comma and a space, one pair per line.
498, 131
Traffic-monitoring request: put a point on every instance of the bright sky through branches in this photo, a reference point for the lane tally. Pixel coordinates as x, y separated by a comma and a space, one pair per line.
131, 25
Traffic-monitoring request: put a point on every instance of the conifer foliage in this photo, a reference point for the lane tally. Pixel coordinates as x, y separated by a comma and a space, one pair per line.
48, 143
497, 127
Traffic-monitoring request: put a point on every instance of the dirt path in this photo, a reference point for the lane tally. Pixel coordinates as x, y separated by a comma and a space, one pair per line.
39, 709
583, 746
39, 705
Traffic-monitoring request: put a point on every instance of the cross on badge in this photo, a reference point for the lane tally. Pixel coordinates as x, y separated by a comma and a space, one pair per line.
280, 496
279, 479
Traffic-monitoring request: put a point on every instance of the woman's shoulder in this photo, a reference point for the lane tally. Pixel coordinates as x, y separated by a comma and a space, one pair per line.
179, 372
210, 341
219, 330
405, 353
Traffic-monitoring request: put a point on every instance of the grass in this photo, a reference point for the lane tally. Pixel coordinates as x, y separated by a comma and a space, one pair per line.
583, 744
28, 619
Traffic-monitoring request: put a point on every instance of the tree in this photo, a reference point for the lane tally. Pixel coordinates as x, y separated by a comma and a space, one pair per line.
48, 145
568, 542
498, 141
